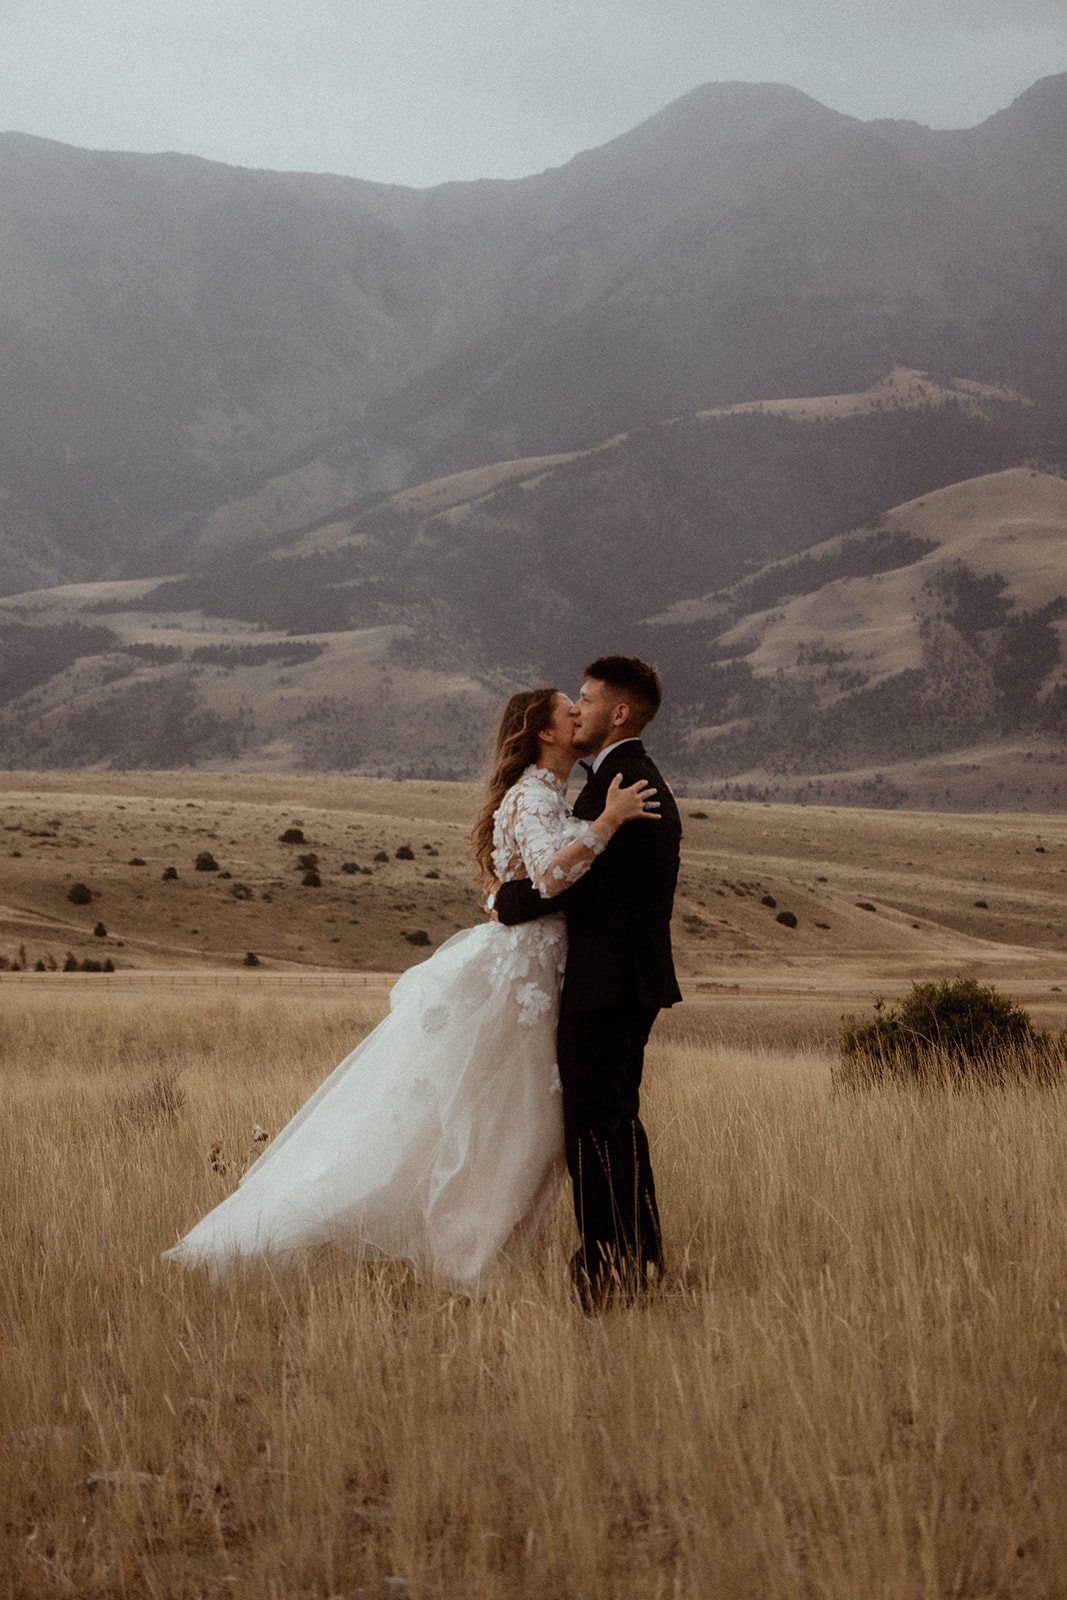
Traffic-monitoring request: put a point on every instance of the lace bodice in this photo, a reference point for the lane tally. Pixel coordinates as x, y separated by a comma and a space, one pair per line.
535, 835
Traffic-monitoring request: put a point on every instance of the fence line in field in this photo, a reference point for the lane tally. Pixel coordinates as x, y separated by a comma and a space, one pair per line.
205, 980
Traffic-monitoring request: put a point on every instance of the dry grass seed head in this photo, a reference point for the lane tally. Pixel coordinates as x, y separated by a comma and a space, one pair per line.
157, 1102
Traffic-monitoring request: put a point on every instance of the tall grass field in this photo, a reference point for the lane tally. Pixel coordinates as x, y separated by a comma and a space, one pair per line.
852, 1386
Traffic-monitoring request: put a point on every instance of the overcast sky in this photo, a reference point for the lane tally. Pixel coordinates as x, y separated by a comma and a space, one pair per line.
422, 91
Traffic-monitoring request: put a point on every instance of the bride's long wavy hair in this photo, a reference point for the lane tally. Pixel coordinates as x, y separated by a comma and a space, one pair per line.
525, 716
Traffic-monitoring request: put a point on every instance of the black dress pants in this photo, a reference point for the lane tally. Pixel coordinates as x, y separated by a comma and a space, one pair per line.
601, 1057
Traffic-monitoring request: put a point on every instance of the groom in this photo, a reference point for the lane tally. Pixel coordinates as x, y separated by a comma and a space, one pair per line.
619, 974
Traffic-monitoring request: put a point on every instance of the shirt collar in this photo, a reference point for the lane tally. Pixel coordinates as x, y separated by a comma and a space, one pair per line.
595, 764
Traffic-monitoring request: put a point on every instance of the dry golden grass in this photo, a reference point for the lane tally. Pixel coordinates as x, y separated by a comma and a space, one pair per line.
854, 1385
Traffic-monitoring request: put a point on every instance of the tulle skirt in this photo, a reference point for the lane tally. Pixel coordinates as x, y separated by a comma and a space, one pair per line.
439, 1140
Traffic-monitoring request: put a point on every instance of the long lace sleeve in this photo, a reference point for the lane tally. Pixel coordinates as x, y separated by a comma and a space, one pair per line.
536, 837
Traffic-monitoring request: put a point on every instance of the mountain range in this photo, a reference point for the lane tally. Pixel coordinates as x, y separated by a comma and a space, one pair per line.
387, 452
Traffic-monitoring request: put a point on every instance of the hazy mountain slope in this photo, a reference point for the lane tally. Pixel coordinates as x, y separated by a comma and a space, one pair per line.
1012, 168
170, 327
825, 260
1011, 164
807, 254
174, 333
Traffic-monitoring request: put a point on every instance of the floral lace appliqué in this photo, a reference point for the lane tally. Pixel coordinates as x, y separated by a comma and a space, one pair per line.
535, 836
530, 959
533, 1002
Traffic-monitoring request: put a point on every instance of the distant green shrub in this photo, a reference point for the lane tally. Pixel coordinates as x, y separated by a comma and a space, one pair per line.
957, 1031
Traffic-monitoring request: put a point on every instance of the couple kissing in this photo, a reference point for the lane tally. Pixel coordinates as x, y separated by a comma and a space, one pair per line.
514, 1055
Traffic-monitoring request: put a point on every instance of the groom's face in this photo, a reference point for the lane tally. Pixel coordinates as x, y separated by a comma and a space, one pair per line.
594, 714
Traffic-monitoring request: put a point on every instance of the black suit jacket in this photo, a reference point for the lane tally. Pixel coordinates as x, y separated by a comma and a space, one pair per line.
619, 913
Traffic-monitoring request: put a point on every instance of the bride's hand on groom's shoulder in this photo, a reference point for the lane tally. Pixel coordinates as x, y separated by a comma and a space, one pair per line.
490, 900
635, 803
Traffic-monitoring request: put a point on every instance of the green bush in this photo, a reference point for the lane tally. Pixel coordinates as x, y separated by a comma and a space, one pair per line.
956, 1031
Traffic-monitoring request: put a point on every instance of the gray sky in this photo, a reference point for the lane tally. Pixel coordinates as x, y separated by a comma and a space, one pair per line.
422, 91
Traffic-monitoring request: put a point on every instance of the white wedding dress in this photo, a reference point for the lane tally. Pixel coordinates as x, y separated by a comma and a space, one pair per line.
439, 1140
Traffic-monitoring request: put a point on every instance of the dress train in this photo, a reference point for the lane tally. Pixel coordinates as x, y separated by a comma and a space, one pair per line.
438, 1140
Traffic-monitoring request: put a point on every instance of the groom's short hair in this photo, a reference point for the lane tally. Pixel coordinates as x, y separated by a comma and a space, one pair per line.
633, 681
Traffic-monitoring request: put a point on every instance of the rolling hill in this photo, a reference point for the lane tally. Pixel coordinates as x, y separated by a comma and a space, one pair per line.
382, 643
939, 628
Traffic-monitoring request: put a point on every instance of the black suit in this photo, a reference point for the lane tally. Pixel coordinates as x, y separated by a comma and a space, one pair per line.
619, 974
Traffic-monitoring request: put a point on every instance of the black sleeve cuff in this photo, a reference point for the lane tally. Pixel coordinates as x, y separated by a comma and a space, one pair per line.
519, 901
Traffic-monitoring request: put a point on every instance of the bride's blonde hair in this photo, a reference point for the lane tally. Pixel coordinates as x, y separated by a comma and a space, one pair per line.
525, 716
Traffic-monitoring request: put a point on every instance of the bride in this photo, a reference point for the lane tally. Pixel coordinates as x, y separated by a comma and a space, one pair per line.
439, 1140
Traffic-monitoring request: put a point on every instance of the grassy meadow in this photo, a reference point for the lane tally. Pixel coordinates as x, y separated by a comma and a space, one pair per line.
853, 1384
